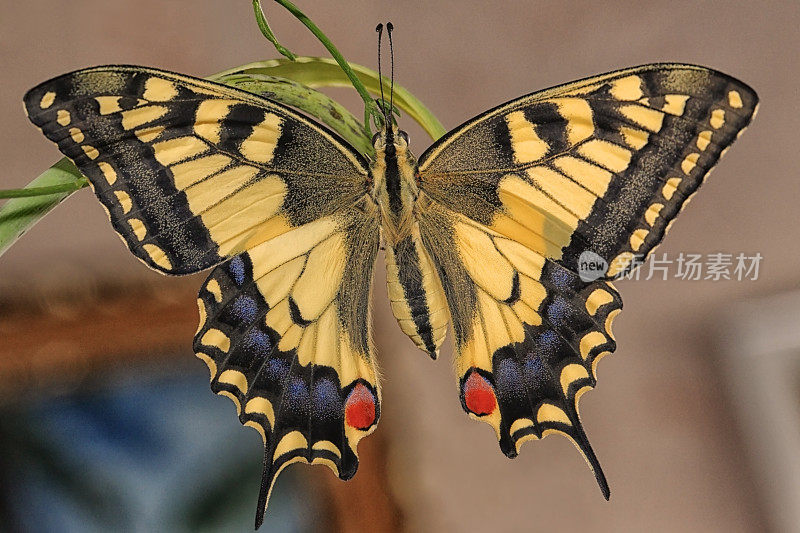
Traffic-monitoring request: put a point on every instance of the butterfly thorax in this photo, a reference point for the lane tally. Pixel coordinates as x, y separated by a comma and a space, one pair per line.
395, 188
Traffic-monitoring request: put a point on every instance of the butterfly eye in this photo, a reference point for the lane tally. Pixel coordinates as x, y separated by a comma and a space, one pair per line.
375, 138
403, 135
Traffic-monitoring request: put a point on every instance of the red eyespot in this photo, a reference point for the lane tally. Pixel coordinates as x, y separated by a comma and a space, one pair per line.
359, 410
479, 395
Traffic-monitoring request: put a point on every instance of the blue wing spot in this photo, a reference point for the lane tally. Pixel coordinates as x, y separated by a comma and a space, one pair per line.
297, 397
236, 268
277, 369
536, 373
509, 380
561, 277
557, 312
547, 343
257, 342
327, 403
244, 309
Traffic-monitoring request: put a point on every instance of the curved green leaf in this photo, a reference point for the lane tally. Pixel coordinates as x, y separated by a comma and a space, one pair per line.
316, 72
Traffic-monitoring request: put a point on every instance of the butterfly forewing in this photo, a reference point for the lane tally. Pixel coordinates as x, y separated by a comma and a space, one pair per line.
601, 165
191, 171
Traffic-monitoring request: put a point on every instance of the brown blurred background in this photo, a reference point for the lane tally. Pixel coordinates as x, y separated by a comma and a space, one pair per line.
662, 420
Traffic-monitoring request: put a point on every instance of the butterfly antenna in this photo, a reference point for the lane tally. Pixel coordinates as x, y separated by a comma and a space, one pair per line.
389, 28
379, 29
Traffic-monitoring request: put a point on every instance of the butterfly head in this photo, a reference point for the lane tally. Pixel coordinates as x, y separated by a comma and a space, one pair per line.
391, 142
394, 163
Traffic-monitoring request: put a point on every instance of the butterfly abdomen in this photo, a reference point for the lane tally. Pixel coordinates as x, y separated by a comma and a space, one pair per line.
416, 293
415, 290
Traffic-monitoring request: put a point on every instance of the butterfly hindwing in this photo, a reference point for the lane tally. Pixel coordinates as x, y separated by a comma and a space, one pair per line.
285, 332
601, 165
528, 331
191, 171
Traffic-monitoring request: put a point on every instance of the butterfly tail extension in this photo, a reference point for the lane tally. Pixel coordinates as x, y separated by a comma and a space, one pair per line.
293, 375
581, 442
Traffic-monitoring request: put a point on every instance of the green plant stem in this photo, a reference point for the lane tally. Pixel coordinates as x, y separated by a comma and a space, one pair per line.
43, 191
17, 215
263, 25
370, 108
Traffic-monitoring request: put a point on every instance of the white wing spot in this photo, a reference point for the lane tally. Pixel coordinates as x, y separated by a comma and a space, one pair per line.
717, 118
76, 134
63, 117
47, 100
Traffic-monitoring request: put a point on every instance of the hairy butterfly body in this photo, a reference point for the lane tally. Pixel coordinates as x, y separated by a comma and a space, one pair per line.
484, 232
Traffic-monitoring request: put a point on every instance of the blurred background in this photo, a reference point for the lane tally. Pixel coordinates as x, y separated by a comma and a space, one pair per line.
106, 419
